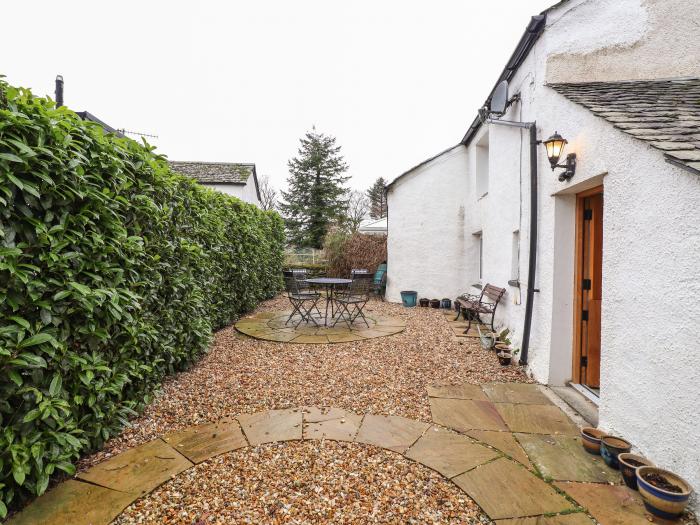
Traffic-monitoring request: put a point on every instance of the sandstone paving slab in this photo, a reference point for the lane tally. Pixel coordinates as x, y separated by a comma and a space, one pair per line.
331, 423
272, 425
503, 441
517, 393
74, 503
280, 336
311, 339
611, 504
578, 518
463, 391
391, 432
138, 470
344, 338
504, 489
371, 333
536, 419
448, 452
562, 458
466, 414
208, 440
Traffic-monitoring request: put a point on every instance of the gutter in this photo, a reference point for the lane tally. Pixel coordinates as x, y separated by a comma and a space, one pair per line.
532, 33
532, 257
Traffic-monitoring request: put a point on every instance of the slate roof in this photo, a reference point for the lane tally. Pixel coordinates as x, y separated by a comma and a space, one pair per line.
664, 113
215, 172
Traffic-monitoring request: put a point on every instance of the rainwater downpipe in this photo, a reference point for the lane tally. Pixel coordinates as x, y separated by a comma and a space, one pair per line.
532, 258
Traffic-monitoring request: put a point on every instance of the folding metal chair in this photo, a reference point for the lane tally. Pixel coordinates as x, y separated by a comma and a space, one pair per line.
352, 300
300, 298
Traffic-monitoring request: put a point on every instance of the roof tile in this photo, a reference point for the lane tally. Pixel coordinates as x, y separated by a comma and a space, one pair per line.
214, 172
664, 113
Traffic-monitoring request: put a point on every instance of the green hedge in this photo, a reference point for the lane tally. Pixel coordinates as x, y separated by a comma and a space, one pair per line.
113, 273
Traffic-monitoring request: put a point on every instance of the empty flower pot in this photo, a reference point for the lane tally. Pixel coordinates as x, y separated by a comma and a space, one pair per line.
424, 302
611, 447
504, 358
446, 303
435, 303
408, 298
665, 494
628, 467
590, 439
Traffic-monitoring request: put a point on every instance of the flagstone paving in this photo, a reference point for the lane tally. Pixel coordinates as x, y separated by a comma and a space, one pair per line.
482, 463
611, 504
274, 327
536, 419
466, 414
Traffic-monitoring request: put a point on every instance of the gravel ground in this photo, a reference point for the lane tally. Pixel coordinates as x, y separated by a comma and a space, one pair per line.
306, 482
386, 375
311, 482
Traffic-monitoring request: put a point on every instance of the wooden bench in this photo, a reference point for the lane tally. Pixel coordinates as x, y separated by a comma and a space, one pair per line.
477, 305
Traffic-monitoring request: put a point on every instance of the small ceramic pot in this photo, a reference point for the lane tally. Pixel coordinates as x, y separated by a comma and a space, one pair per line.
611, 447
446, 303
660, 502
504, 358
435, 303
590, 439
424, 302
628, 468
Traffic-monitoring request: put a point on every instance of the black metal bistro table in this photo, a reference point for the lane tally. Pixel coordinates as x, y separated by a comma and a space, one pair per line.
329, 283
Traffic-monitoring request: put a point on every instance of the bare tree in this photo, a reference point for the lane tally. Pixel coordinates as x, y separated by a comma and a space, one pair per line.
268, 194
357, 209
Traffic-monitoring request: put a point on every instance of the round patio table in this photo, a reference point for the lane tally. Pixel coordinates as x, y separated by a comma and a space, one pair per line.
329, 283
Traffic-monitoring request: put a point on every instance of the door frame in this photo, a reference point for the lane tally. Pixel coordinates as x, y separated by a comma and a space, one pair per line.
578, 276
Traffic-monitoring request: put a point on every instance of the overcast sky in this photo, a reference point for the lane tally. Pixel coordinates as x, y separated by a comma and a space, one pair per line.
241, 81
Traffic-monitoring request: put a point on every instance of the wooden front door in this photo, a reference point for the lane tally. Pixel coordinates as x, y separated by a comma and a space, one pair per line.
588, 287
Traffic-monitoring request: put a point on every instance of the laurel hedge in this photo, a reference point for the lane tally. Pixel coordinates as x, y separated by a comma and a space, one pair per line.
113, 273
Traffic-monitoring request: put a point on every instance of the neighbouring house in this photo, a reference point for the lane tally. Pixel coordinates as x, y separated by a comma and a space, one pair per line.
614, 283
374, 227
239, 180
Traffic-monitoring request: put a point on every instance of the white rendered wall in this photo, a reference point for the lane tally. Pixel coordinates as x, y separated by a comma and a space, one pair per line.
245, 192
426, 241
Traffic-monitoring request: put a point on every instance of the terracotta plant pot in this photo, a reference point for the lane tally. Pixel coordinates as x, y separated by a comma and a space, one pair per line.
504, 358
424, 302
628, 467
590, 439
663, 501
435, 303
611, 447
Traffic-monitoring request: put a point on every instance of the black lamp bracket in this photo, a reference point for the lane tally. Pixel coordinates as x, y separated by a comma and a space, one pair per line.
569, 167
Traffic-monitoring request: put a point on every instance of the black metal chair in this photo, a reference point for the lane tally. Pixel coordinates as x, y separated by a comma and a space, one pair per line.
352, 300
299, 298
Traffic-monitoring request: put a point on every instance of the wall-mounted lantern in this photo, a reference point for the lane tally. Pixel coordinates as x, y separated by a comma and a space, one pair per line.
555, 147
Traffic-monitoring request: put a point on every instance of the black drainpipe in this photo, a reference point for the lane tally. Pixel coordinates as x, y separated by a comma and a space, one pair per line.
532, 260
59, 91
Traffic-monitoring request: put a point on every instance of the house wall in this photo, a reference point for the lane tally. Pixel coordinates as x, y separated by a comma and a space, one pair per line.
245, 192
426, 242
649, 386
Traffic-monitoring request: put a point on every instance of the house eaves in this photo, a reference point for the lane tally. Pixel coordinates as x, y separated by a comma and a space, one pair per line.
532, 33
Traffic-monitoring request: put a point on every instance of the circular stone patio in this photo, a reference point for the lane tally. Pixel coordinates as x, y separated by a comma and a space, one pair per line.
271, 326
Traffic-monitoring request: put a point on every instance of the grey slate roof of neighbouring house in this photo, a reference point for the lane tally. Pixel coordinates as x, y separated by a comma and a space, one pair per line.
664, 113
215, 172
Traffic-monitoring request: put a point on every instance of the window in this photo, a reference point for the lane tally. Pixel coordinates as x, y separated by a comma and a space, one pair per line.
515, 257
482, 166
479, 238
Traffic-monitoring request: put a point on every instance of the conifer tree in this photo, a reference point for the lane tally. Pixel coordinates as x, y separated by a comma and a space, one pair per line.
377, 199
316, 198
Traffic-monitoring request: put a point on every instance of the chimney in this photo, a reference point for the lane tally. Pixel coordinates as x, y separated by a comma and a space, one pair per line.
59, 91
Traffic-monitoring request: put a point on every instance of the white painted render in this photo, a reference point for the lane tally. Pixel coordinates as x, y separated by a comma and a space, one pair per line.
246, 192
650, 387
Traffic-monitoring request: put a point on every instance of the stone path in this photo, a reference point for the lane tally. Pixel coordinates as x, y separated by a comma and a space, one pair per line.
271, 326
505, 445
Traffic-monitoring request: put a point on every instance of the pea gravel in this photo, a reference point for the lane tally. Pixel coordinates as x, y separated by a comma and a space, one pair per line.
306, 483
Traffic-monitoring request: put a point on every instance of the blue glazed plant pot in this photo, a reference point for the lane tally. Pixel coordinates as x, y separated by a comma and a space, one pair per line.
408, 298
611, 447
664, 493
590, 439
446, 303
628, 467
